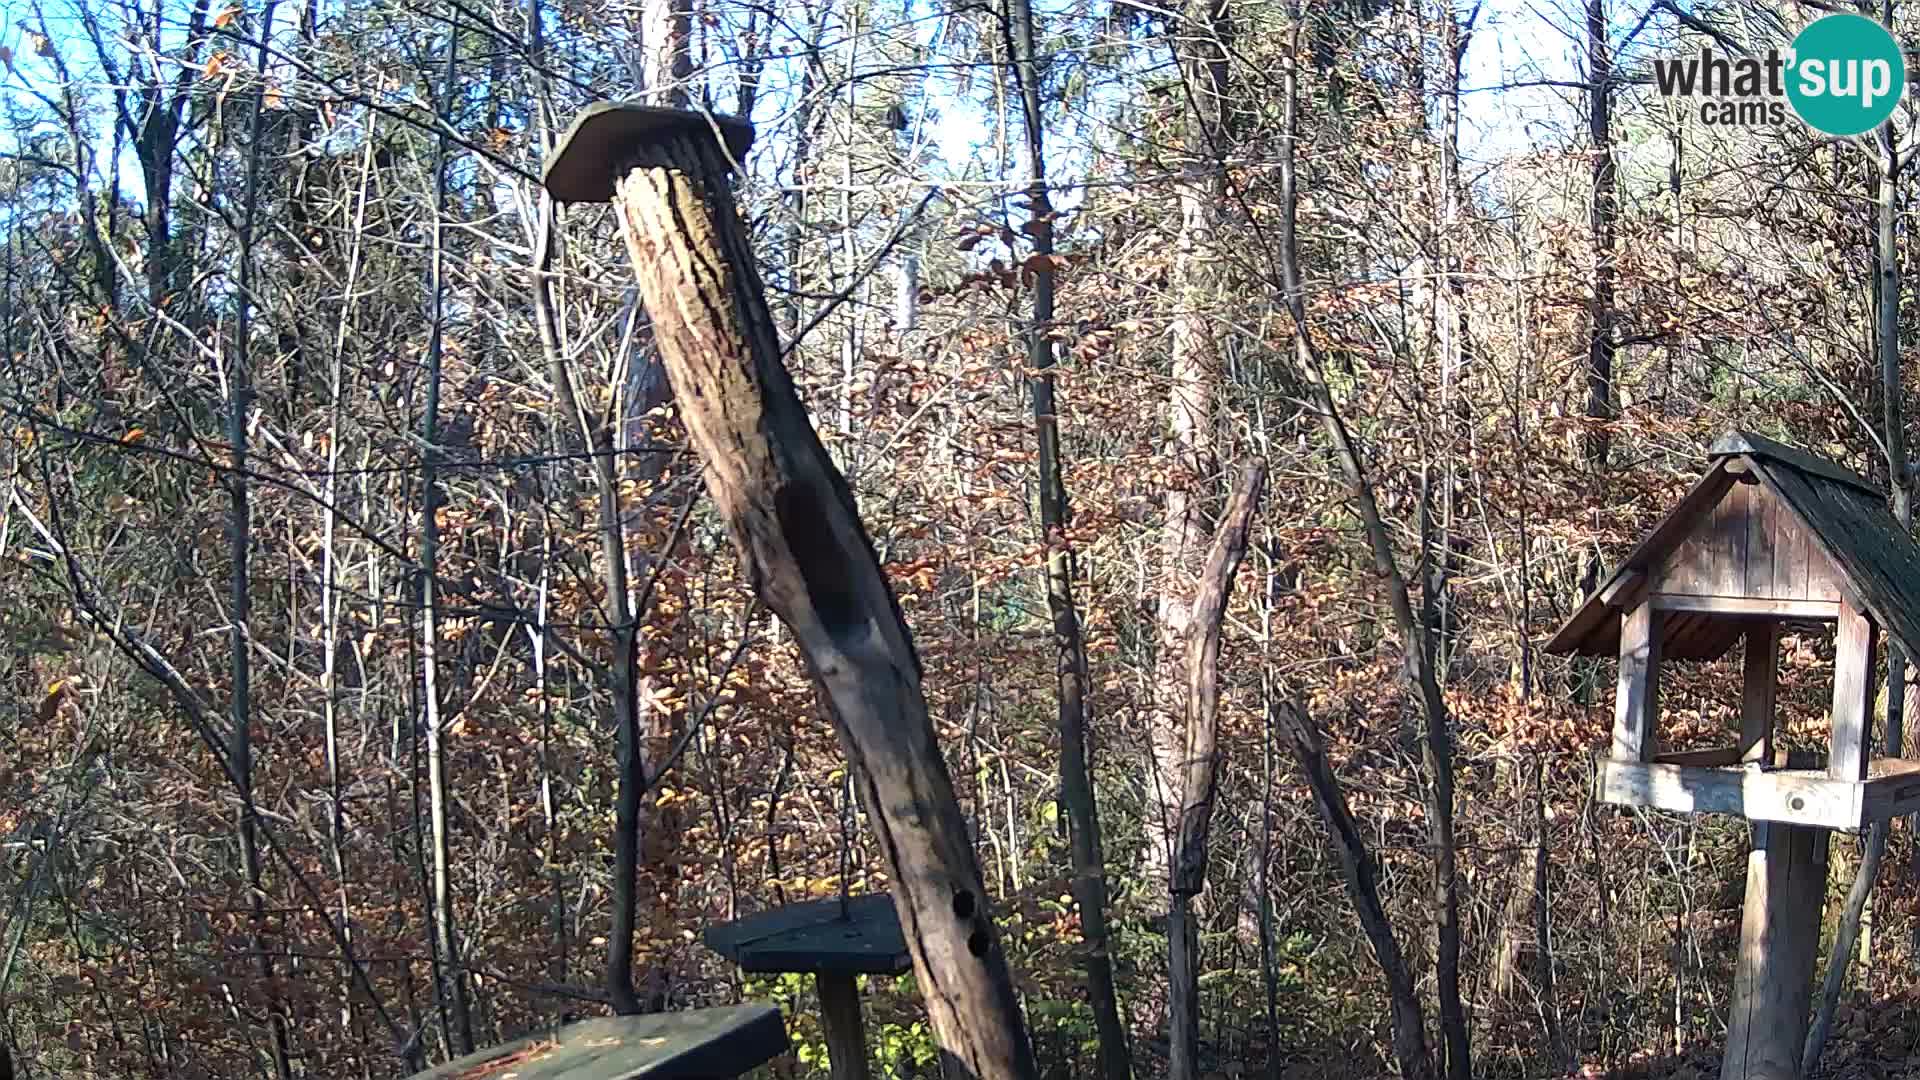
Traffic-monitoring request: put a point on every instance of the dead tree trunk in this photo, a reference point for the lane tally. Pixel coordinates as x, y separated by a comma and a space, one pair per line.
1200, 771
793, 519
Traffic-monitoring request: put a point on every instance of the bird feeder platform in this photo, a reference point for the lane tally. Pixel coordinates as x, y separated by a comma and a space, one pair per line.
818, 937
834, 941
728, 1041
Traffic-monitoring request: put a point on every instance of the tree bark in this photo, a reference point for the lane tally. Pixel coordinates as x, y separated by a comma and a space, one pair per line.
1363, 886
793, 519
451, 986
240, 597
1195, 378
1416, 643
1200, 771
1602, 401
1089, 885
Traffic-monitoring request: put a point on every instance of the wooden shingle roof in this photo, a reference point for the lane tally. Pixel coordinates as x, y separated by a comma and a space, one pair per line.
1850, 539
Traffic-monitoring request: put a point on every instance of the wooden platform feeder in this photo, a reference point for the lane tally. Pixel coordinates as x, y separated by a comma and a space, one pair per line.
834, 941
694, 1044
1770, 535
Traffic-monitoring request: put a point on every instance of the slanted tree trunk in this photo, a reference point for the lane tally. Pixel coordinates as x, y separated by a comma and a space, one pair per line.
1200, 771
1416, 642
793, 519
1363, 885
1089, 886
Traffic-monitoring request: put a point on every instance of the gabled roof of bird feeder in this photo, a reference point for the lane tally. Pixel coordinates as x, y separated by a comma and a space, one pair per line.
1805, 534
857, 936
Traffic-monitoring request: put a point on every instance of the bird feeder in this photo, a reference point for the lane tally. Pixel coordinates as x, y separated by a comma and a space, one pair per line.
833, 940
1770, 535
728, 1041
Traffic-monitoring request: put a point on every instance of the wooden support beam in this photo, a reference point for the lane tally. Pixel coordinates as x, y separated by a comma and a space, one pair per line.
1625, 590
846, 1034
1779, 935
1636, 695
1756, 698
1852, 695
1745, 606
1801, 798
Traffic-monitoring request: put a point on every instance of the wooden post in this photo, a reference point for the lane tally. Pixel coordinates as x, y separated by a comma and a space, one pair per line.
1853, 643
1779, 935
1756, 699
840, 1016
1636, 701
810, 559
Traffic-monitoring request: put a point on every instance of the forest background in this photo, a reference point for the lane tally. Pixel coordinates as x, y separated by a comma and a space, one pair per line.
359, 596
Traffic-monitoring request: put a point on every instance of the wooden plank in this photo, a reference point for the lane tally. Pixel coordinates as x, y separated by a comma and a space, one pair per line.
1760, 556
1779, 936
840, 1017
1719, 755
862, 937
730, 1040
1893, 791
1761, 670
1636, 701
1852, 695
1729, 543
1745, 606
1625, 590
1799, 797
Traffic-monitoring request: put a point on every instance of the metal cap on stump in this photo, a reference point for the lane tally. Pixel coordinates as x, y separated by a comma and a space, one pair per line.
792, 517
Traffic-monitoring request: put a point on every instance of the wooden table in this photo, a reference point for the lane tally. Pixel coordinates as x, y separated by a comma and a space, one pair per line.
692, 1044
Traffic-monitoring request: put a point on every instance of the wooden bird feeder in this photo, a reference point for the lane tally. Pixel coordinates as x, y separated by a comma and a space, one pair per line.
1770, 535
834, 941
721, 1042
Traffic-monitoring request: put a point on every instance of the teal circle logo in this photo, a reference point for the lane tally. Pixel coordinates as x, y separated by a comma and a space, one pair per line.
1845, 74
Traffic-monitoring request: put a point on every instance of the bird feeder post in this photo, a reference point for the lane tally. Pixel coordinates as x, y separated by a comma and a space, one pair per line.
810, 559
835, 941
846, 1031
1779, 940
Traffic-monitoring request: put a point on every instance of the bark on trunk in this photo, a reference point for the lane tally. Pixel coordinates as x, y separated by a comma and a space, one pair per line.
1602, 405
240, 598
792, 517
1070, 651
1363, 885
1190, 407
1200, 771
1416, 643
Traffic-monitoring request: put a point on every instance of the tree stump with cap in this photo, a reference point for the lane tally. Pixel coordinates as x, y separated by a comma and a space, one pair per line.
833, 940
793, 519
